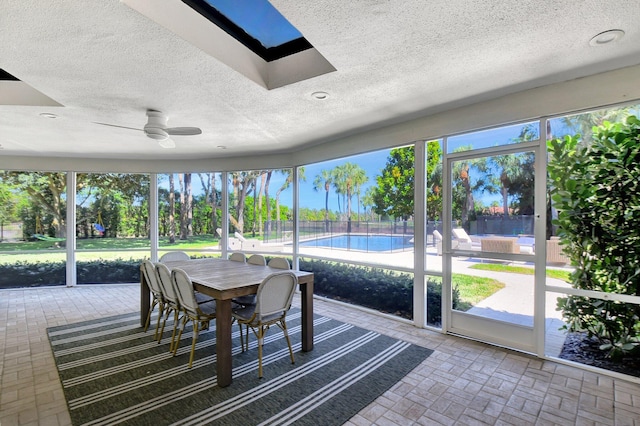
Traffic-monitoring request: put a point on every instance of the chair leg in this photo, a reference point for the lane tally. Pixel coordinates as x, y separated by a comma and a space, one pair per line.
153, 305
260, 339
286, 335
246, 329
196, 323
167, 312
241, 337
176, 319
160, 314
184, 325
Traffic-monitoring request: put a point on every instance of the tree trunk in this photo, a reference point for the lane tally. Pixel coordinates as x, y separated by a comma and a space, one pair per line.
172, 210
214, 203
267, 222
326, 207
187, 184
263, 178
183, 208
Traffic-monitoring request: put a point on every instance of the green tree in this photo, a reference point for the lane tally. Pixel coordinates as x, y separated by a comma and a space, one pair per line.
394, 193
464, 185
367, 202
348, 178
324, 180
596, 189
434, 180
286, 184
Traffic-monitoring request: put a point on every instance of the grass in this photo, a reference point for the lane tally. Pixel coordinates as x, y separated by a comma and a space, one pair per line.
48, 251
495, 267
474, 289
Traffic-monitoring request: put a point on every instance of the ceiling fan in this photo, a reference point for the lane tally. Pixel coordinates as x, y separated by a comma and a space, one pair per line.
156, 128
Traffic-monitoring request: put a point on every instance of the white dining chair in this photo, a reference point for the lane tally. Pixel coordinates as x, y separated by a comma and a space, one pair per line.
172, 256
157, 297
279, 263
172, 303
257, 259
273, 301
238, 257
200, 314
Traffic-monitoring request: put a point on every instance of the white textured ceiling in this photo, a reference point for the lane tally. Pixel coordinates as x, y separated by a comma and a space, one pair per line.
105, 62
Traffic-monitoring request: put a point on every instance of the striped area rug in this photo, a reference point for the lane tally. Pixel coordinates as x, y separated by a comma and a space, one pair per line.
114, 373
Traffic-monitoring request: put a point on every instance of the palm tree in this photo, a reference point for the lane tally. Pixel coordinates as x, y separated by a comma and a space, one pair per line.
359, 178
509, 167
347, 178
462, 177
324, 179
367, 201
287, 182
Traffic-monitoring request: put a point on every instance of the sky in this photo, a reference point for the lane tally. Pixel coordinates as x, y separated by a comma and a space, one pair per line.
371, 163
264, 22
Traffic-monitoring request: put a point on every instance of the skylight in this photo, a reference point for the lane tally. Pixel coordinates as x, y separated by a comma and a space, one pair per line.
249, 36
256, 24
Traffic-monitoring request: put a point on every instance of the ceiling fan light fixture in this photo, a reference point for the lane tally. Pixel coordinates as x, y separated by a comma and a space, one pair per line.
156, 133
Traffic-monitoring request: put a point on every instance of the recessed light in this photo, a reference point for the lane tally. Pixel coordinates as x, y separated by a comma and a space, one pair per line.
606, 37
321, 96
222, 147
48, 115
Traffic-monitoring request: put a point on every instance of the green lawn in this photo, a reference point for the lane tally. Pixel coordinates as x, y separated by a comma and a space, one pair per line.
551, 273
474, 289
54, 252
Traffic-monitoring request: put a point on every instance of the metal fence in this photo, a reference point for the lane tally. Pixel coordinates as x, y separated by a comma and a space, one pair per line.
500, 225
282, 231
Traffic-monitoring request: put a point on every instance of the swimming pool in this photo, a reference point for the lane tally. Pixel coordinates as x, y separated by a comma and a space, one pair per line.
363, 242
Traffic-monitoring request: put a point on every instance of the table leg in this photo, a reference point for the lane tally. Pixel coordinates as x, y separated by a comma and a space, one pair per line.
145, 299
306, 292
223, 342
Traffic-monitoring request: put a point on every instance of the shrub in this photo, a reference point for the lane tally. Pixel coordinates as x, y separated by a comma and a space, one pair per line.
374, 288
32, 274
596, 190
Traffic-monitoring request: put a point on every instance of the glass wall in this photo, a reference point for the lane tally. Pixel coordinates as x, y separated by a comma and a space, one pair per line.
32, 228
189, 213
593, 203
360, 208
356, 229
261, 210
112, 226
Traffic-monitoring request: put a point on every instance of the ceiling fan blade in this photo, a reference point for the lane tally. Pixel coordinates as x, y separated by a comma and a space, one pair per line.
167, 143
183, 131
115, 125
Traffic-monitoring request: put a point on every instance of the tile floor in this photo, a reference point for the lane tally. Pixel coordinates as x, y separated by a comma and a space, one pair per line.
462, 382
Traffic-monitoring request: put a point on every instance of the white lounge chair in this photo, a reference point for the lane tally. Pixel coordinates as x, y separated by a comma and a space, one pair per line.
463, 239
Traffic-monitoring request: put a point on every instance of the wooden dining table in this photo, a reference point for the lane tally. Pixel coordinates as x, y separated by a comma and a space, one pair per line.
224, 280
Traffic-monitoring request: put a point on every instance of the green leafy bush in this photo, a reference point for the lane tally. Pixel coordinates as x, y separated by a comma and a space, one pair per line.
33, 274
385, 291
596, 189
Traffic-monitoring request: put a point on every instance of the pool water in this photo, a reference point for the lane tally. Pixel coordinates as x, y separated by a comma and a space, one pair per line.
362, 242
